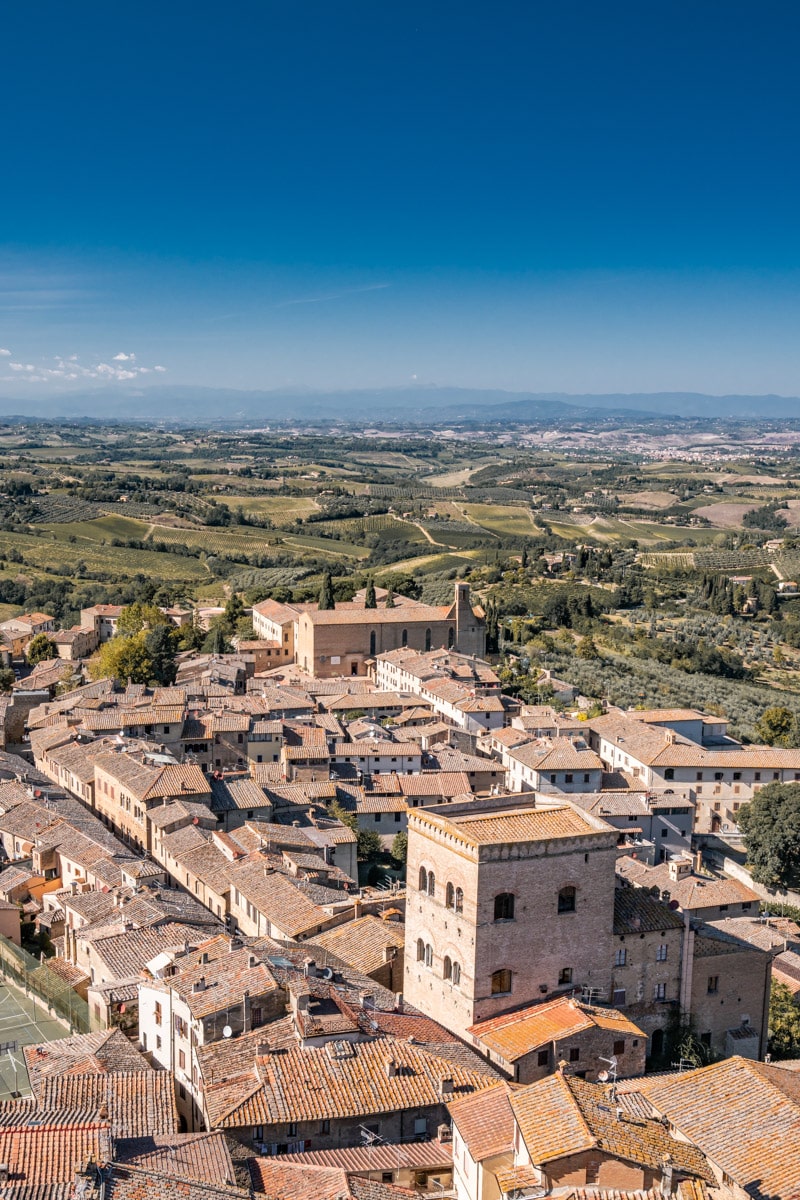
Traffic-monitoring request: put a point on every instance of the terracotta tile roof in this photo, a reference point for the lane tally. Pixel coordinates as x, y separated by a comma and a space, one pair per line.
95, 1053
290, 1182
635, 911
485, 1121
372, 748
516, 1034
652, 715
129, 1182
224, 982
440, 783
150, 783
44, 1154
556, 754
383, 1156
563, 1115
355, 614
124, 953
362, 942
138, 1103
278, 898
521, 825
692, 891
744, 1115
342, 1080
201, 1156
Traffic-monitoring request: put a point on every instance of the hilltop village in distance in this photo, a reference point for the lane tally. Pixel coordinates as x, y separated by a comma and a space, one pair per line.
399, 811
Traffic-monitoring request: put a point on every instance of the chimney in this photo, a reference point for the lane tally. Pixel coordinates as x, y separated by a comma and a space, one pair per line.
666, 1176
3, 1172
398, 1001
446, 1088
252, 960
391, 1068
309, 968
199, 985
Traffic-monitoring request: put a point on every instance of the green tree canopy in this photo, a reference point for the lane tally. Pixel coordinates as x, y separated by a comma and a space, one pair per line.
234, 611
400, 846
40, 648
161, 644
217, 642
587, 649
777, 726
125, 659
326, 600
138, 616
784, 1023
369, 845
771, 827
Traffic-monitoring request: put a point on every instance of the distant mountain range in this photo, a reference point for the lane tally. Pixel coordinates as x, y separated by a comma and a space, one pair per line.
422, 405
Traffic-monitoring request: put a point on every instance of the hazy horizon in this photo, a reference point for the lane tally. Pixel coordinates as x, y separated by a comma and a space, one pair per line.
530, 199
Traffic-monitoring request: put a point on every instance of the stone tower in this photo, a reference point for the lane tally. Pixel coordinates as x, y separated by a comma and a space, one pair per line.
470, 626
508, 904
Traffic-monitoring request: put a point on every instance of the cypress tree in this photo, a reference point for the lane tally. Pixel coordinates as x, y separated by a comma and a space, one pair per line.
326, 600
370, 600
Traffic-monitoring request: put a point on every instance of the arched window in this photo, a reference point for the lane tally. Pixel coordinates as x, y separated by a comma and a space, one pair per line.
451, 637
404, 637
501, 982
566, 900
447, 970
427, 639
459, 906
372, 644
420, 950
504, 906
450, 896
429, 956
456, 974
431, 883
423, 879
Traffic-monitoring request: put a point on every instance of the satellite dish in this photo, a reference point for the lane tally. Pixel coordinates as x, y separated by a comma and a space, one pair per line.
674, 904
227, 1032
327, 973
603, 1077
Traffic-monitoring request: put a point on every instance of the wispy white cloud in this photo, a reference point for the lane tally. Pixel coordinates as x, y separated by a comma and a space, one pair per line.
4, 353
120, 369
325, 296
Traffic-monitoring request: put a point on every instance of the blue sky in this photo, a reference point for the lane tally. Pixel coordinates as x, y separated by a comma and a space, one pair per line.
560, 196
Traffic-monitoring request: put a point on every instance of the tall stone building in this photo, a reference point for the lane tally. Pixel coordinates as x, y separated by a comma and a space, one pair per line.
340, 640
508, 902
514, 900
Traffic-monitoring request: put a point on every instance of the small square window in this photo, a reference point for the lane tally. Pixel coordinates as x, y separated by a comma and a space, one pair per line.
565, 975
543, 1058
574, 1054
